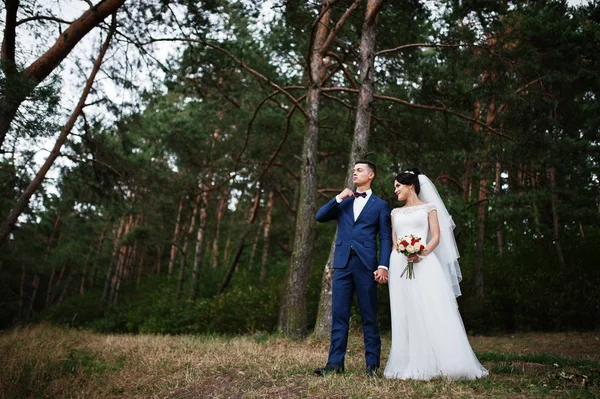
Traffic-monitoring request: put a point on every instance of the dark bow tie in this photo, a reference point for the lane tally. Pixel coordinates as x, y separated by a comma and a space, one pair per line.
357, 194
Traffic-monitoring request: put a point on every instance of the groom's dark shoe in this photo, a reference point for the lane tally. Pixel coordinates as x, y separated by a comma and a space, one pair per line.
372, 370
329, 368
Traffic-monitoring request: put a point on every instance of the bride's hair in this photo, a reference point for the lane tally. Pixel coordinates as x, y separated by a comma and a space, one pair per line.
410, 177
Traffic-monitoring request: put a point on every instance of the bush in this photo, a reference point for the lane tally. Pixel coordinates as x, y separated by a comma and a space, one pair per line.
155, 310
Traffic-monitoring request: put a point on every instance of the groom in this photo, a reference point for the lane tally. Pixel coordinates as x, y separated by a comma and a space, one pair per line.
360, 217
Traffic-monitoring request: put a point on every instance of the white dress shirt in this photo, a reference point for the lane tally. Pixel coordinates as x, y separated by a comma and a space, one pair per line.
359, 203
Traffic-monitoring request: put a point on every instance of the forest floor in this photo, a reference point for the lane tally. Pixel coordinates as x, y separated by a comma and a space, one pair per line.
45, 361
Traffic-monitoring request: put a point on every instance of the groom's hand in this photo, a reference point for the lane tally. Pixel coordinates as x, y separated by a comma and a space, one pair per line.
346, 194
381, 276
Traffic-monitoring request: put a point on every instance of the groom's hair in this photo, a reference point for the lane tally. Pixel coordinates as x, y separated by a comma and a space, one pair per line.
371, 165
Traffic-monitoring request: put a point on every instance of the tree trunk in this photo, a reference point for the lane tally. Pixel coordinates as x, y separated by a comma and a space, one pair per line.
52, 293
35, 284
9, 39
323, 324
498, 193
480, 253
267, 232
199, 247
35, 73
158, 260
555, 221
11, 220
360, 144
242, 243
536, 212
122, 262
261, 227
53, 273
22, 291
186, 242
228, 241
175, 239
482, 201
466, 184
220, 214
140, 267
97, 256
65, 290
292, 313
112, 267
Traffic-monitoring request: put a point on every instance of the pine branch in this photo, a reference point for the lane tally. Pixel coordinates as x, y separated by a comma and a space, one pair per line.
426, 107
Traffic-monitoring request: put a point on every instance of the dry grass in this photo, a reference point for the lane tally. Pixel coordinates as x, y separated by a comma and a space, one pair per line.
44, 361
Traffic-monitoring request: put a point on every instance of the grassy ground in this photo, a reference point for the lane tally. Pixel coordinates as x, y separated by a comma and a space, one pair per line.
44, 361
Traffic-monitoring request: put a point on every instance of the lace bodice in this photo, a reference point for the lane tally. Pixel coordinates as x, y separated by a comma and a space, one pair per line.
412, 220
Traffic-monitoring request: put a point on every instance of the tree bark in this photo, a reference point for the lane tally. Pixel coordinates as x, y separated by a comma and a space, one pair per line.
261, 227
52, 293
22, 291
555, 220
199, 246
9, 39
220, 214
112, 268
158, 259
174, 251
360, 144
324, 317
35, 73
292, 313
536, 212
36, 285
140, 268
482, 201
53, 273
9, 224
186, 242
242, 244
268, 222
498, 193
122, 259
92, 279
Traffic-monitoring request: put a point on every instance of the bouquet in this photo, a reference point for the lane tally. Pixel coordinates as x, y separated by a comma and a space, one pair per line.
409, 245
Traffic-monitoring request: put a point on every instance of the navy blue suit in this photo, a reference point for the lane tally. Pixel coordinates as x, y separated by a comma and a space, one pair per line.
353, 271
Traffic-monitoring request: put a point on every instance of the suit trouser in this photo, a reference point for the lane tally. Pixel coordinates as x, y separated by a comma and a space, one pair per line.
354, 278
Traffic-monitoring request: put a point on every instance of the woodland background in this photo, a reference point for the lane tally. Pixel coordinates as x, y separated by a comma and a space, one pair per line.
180, 192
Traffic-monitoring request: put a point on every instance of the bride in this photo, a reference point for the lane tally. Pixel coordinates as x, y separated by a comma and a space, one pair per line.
428, 336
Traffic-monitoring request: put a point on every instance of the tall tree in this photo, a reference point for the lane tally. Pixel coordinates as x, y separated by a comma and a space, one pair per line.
292, 314
20, 84
9, 224
360, 144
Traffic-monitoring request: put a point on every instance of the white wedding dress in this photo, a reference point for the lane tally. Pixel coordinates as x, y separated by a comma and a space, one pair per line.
428, 335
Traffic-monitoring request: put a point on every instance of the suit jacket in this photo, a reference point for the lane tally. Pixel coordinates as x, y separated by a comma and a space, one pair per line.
362, 233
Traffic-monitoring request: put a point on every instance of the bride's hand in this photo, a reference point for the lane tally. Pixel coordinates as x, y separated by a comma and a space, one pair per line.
424, 252
414, 258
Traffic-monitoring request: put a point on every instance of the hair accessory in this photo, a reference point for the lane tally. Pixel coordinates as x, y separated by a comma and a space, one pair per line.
409, 171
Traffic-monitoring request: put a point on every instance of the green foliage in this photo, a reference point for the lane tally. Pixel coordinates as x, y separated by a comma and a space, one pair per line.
242, 309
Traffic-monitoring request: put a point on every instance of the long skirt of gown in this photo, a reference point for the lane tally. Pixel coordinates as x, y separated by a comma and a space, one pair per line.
428, 335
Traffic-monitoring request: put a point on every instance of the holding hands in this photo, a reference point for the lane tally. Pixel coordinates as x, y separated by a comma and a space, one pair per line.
381, 275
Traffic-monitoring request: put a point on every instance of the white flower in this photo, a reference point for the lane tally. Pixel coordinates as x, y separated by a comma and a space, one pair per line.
401, 248
411, 249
